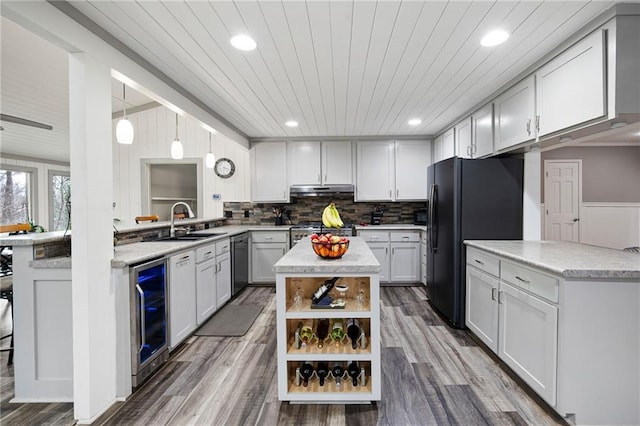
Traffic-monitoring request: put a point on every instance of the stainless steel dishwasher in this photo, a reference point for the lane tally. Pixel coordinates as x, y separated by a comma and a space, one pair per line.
240, 269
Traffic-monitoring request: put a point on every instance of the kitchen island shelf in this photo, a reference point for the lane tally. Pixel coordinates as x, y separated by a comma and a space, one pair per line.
298, 275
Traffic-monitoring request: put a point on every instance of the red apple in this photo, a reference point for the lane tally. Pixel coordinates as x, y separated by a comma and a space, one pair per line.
323, 239
314, 236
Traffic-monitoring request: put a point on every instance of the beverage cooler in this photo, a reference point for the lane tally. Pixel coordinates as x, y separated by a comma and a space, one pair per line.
149, 322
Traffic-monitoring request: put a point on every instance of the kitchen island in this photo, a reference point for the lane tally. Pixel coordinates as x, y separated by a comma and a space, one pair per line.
565, 318
298, 275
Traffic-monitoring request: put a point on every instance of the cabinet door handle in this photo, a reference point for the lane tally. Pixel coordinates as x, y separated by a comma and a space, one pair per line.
522, 279
390, 194
474, 149
537, 123
397, 193
393, 251
493, 293
479, 262
529, 127
325, 178
500, 301
386, 250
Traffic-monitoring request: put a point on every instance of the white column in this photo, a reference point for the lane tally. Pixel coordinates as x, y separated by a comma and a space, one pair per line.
94, 339
531, 214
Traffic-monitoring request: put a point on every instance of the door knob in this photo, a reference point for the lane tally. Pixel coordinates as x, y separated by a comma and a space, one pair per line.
576, 219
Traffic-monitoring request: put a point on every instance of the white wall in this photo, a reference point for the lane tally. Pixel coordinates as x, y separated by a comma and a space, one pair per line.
41, 211
613, 225
154, 131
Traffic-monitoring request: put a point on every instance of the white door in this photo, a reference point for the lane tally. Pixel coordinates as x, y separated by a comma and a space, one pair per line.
182, 297
514, 115
336, 163
562, 195
223, 279
482, 306
374, 171
381, 252
448, 144
482, 132
205, 290
303, 159
412, 160
405, 262
529, 339
463, 138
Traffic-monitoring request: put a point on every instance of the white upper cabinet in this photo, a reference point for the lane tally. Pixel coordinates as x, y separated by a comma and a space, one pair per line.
319, 163
336, 163
303, 159
374, 171
448, 144
482, 132
412, 160
437, 148
464, 145
515, 112
570, 89
269, 177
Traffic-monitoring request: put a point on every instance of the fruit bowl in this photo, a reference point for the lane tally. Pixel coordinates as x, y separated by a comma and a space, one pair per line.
330, 250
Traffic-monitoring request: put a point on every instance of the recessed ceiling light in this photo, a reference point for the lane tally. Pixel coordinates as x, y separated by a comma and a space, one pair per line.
291, 123
414, 122
243, 42
494, 38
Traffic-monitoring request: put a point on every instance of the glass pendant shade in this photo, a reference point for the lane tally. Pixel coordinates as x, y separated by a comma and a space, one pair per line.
124, 131
210, 159
124, 128
177, 151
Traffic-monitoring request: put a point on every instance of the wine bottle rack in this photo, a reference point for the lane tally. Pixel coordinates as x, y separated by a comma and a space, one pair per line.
330, 386
361, 301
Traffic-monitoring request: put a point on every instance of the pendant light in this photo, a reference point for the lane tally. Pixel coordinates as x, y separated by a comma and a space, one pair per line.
210, 159
176, 147
124, 128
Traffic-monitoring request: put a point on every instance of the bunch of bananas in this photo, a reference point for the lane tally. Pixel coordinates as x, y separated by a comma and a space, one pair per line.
331, 217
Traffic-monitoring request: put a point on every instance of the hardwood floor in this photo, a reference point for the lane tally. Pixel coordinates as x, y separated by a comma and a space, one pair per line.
432, 375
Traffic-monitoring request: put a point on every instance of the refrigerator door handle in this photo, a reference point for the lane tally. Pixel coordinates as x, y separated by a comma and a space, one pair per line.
430, 221
434, 221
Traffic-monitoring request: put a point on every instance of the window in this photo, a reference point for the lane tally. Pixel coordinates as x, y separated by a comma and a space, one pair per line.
16, 194
59, 200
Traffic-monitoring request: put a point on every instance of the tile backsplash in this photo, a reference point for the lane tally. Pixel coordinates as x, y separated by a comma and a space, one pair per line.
309, 209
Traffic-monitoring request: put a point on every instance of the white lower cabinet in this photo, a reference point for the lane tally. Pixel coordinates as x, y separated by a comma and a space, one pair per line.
223, 279
528, 341
482, 306
398, 253
182, 297
206, 302
267, 247
381, 252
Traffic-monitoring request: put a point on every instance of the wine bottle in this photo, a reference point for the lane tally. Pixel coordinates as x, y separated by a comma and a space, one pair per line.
322, 370
337, 331
323, 290
353, 331
306, 371
306, 332
322, 331
297, 338
337, 372
354, 372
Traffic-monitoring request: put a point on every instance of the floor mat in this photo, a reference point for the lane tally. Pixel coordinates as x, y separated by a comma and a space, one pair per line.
232, 320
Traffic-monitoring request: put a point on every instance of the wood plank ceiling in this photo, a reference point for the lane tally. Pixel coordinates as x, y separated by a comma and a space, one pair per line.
340, 68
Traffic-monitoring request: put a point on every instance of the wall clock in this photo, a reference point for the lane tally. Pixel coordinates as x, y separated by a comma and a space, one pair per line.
224, 168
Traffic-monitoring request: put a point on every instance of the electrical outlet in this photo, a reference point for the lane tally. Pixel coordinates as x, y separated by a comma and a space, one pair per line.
246, 213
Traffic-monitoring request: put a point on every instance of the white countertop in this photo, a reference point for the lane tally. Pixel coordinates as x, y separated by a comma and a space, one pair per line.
33, 238
570, 260
302, 259
391, 227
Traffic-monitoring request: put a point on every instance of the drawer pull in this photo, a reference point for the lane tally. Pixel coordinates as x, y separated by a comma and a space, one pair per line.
522, 279
209, 252
493, 293
268, 238
480, 262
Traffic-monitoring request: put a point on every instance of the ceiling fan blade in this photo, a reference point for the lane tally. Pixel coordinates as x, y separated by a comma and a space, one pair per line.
24, 122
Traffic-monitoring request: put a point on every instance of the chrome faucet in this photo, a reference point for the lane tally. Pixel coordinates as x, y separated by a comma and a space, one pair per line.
172, 232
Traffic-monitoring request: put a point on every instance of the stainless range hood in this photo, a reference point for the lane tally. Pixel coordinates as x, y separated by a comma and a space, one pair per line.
319, 190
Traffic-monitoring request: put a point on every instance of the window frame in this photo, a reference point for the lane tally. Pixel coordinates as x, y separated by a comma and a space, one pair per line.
50, 174
33, 210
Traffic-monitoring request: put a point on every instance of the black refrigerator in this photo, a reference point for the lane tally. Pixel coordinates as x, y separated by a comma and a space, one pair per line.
469, 199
